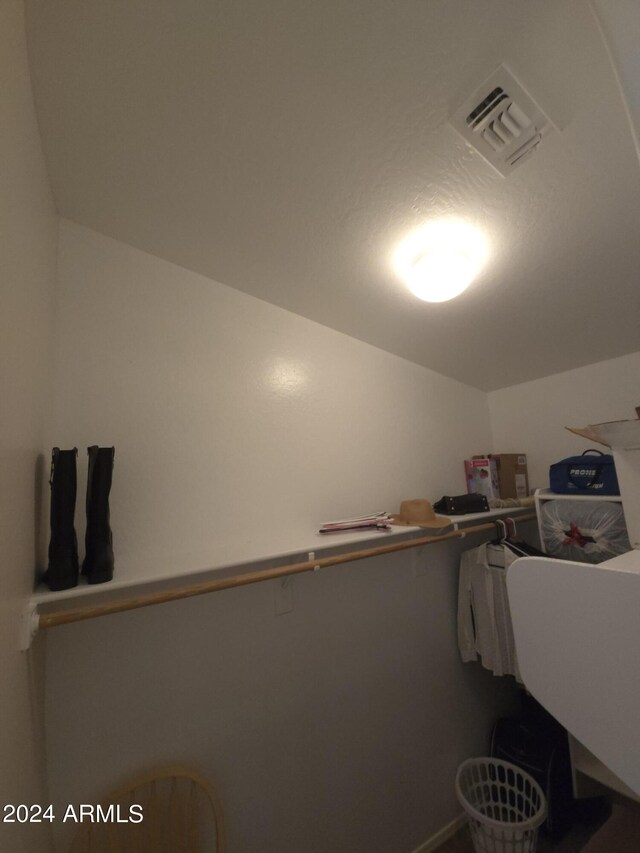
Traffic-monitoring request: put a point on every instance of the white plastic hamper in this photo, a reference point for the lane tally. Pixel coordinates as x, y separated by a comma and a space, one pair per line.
504, 805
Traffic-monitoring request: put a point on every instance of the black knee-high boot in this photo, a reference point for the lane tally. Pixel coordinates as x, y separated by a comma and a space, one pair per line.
62, 569
98, 561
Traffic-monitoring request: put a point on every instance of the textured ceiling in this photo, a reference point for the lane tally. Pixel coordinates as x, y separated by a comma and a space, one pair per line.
284, 148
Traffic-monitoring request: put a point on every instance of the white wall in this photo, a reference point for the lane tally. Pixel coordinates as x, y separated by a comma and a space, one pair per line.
334, 728
337, 726
531, 418
235, 421
27, 264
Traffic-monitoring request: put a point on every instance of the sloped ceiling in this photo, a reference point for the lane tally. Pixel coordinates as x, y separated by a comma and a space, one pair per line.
284, 148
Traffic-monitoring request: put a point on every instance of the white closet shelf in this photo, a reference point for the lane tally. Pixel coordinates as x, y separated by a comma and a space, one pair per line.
548, 495
238, 565
249, 553
232, 556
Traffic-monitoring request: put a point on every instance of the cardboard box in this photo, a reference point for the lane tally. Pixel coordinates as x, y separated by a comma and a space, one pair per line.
513, 478
482, 476
498, 475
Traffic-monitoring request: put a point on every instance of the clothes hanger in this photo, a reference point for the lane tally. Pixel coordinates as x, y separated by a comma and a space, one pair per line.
509, 540
521, 548
495, 552
501, 531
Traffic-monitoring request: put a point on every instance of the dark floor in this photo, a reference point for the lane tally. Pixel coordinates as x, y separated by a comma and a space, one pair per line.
571, 843
584, 826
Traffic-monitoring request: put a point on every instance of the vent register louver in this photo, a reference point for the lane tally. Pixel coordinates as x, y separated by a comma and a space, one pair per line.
502, 121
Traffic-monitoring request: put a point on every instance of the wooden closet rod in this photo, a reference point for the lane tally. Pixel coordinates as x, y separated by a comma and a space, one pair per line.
78, 614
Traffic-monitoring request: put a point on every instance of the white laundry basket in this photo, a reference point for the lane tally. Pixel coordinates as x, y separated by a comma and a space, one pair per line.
504, 805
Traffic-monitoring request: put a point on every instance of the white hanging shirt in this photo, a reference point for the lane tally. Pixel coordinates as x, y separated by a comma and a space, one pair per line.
484, 619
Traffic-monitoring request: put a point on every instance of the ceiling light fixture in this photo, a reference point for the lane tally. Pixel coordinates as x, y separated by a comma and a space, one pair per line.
440, 260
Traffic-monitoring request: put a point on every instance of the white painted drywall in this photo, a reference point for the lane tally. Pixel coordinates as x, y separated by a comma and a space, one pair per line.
27, 278
620, 23
286, 148
531, 418
234, 420
337, 726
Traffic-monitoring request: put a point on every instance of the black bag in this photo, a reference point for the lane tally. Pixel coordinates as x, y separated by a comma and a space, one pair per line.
462, 504
584, 475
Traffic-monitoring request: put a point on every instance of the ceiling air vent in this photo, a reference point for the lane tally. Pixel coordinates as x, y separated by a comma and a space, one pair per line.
502, 121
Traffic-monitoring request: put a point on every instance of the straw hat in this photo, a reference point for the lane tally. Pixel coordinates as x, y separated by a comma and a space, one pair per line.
419, 513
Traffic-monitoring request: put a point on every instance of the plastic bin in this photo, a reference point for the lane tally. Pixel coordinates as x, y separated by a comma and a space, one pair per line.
504, 805
582, 530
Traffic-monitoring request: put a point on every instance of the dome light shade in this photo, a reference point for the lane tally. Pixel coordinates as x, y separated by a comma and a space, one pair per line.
440, 260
